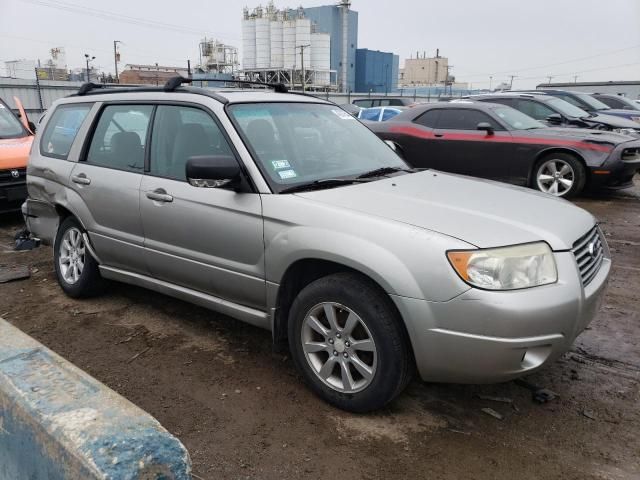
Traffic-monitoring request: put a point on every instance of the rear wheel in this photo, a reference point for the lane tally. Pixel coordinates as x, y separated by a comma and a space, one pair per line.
348, 343
560, 174
76, 269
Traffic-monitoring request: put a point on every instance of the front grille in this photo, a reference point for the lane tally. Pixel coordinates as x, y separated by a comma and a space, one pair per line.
589, 253
6, 176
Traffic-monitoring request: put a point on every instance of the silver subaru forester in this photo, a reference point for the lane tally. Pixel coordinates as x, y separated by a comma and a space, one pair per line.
284, 211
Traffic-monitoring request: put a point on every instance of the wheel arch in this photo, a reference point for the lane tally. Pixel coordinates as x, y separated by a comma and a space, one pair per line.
303, 272
541, 155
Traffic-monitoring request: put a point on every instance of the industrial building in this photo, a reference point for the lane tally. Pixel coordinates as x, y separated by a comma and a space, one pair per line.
341, 23
218, 58
424, 70
280, 46
376, 71
150, 74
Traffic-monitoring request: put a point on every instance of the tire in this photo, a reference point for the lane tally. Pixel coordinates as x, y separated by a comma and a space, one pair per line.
559, 174
76, 269
365, 318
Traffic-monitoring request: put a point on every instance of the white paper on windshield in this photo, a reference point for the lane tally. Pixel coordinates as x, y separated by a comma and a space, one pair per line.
284, 174
279, 164
343, 115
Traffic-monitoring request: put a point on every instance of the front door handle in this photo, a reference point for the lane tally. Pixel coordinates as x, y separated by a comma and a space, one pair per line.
438, 135
159, 195
81, 179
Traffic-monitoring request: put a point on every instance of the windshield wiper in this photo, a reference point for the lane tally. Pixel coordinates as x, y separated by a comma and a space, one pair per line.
320, 184
382, 171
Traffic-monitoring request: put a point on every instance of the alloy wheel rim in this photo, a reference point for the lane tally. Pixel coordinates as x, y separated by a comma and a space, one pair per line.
72, 256
339, 347
556, 177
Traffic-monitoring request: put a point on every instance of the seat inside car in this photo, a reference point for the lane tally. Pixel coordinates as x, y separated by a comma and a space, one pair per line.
263, 138
127, 150
191, 140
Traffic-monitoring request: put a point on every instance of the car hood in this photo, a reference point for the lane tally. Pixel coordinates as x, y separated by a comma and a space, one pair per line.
611, 120
14, 152
582, 134
480, 212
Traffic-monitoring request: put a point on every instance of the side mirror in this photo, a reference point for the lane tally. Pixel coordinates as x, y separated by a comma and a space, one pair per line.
555, 119
392, 145
395, 147
485, 126
32, 127
213, 171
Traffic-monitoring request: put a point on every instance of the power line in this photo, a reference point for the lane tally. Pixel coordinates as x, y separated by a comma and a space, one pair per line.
105, 15
520, 70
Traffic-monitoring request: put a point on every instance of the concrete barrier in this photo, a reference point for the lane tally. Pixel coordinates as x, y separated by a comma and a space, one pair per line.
57, 422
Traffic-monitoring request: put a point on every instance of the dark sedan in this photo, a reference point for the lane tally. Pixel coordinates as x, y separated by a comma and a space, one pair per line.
498, 142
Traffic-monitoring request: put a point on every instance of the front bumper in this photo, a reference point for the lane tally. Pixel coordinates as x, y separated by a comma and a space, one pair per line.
488, 337
615, 173
12, 194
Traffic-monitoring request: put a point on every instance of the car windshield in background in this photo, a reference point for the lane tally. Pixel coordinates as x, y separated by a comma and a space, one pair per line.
298, 143
567, 109
516, 119
10, 126
592, 102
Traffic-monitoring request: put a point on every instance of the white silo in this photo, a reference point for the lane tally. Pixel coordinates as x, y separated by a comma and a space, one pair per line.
248, 43
263, 42
321, 57
303, 39
289, 44
277, 55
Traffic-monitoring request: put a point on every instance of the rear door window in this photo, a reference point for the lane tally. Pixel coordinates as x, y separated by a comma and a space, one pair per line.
61, 130
120, 136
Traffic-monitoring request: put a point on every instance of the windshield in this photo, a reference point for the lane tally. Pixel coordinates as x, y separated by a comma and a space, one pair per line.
298, 143
516, 119
592, 102
567, 109
10, 126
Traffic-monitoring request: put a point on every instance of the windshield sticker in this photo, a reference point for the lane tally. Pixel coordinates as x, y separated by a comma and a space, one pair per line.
279, 164
284, 174
343, 115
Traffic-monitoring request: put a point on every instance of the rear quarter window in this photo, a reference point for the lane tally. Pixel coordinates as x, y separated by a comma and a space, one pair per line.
61, 130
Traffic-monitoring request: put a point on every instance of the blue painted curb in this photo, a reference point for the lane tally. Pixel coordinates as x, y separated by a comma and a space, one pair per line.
57, 422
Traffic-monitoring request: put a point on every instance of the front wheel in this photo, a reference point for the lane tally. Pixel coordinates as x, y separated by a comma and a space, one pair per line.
560, 174
347, 341
76, 269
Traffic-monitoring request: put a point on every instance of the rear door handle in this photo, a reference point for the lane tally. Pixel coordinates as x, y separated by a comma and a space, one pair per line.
438, 135
159, 195
81, 179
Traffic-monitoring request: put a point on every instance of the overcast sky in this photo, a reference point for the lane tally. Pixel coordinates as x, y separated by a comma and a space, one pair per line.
594, 39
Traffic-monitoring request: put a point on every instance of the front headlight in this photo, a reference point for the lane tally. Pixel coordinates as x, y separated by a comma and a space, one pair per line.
506, 268
626, 131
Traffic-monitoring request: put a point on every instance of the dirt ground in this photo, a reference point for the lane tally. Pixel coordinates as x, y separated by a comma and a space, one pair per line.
242, 410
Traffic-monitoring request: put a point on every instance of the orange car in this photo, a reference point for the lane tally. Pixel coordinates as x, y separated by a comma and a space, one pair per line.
16, 136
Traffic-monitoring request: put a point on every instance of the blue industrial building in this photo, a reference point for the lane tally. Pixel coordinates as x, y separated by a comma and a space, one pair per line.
376, 71
328, 19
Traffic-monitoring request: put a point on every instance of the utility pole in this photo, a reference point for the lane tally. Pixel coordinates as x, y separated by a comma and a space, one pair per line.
575, 79
116, 57
157, 73
386, 79
490, 81
302, 47
549, 78
88, 59
511, 83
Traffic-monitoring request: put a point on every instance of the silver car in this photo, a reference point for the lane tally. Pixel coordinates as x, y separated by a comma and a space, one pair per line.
284, 211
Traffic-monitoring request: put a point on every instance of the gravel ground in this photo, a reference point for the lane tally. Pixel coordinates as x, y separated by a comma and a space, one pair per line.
242, 411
